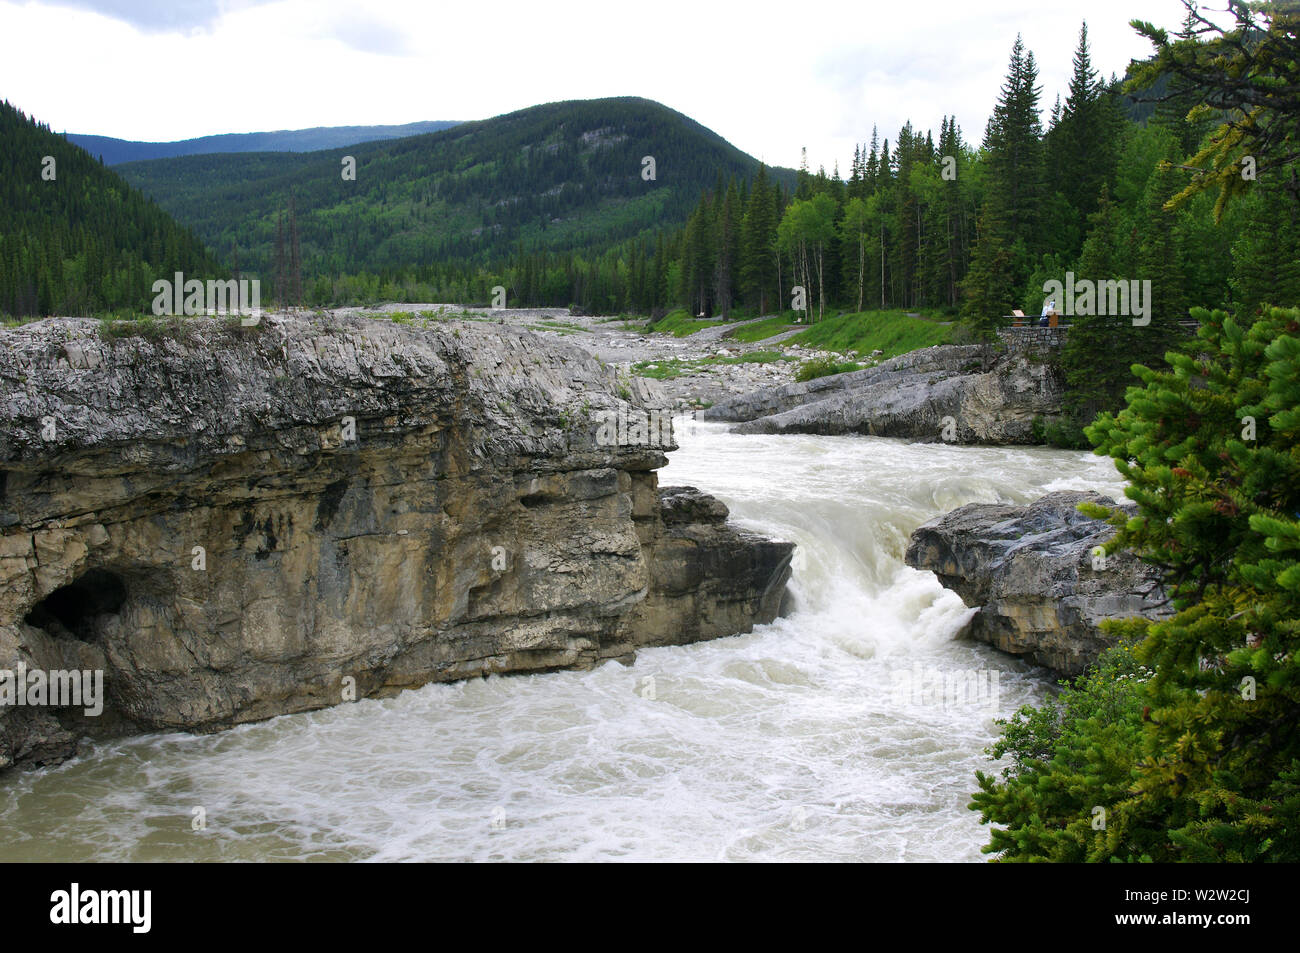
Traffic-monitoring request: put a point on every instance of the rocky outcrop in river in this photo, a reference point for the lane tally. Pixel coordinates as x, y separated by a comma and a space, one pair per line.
234, 523
964, 394
1031, 570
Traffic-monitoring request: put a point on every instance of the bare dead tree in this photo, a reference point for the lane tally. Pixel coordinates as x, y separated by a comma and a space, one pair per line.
279, 261
295, 261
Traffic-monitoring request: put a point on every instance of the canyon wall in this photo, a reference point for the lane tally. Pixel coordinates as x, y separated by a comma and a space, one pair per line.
238, 522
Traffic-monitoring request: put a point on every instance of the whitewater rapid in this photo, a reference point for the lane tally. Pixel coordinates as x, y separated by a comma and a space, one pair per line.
791, 743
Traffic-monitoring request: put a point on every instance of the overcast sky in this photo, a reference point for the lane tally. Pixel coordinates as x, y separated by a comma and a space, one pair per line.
769, 77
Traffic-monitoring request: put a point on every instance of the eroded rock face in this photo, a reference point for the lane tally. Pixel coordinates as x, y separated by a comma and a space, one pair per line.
1031, 572
232, 521
989, 396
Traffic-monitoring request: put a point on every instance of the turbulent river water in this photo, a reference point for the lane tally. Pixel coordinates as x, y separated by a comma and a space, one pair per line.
805, 740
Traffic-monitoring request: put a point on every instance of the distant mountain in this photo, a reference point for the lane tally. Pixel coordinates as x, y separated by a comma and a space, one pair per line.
75, 238
117, 151
562, 176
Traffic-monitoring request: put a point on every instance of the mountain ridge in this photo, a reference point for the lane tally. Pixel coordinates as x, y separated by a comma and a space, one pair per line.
563, 176
116, 151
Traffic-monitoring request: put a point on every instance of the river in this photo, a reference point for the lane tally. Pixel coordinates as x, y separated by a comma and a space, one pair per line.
805, 740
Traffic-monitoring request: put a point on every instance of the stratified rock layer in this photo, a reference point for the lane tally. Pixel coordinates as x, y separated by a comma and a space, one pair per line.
965, 394
1032, 573
235, 523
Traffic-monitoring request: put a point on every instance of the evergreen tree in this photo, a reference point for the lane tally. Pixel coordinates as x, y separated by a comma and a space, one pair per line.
1266, 253
1096, 359
1185, 736
757, 245
1002, 260
1088, 130
990, 285
1159, 260
727, 243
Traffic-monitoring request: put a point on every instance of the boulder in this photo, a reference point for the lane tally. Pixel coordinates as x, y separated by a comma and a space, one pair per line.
1032, 572
964, 394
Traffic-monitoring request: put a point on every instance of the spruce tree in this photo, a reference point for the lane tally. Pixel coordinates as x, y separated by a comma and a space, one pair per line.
1266, 253
1010, 222
1183, 739
757, 239
1087, 142
1096, 360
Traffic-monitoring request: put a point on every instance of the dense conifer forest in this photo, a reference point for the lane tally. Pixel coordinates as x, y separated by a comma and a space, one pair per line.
75, 238
562, 192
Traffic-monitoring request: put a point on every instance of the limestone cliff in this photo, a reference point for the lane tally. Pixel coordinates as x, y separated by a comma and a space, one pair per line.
964, 394
1032, 572
235, 523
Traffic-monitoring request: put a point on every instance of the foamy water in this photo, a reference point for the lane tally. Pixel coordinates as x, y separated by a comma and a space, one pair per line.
791, 743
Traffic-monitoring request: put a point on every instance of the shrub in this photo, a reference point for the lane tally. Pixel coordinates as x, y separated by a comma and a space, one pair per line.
824, 367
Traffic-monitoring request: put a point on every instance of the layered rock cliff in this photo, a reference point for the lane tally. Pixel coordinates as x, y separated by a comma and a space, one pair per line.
1033, 572
235, 523
965, 394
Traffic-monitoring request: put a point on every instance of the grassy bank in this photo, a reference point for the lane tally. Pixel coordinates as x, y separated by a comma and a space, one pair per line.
762, 330
891, 332
680, 323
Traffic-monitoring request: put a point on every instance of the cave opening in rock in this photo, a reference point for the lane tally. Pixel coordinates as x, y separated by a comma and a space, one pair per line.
78, 608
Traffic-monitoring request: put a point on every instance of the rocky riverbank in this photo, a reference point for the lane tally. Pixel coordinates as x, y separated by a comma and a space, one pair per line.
234, 523
698, 370
963, 394
1036, 576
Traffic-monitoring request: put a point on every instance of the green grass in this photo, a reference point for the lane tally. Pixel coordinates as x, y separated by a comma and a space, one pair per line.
761, 330
680, 324
175, 327
143, 326
824, 367
891, 332
662, 370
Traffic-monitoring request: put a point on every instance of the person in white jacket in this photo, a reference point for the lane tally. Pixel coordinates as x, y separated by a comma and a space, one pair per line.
1048, 307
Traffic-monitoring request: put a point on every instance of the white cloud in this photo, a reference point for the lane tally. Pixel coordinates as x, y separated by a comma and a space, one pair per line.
770, 77
161, 16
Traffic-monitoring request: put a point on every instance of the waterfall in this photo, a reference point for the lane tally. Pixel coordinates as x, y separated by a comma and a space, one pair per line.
848, 730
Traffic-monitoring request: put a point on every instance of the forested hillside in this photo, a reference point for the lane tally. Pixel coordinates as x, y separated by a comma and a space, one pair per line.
977, 232
116, 151
563, 177
75, 238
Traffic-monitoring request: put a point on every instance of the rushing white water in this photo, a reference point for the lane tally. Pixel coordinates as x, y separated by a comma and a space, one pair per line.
791, 743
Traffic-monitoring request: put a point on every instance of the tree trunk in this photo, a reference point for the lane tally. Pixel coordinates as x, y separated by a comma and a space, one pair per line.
862, 264
882, 266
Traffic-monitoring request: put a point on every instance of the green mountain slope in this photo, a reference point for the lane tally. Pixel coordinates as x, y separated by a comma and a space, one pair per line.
116, 151
562, 176
82, 241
